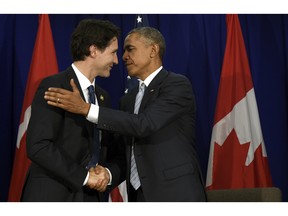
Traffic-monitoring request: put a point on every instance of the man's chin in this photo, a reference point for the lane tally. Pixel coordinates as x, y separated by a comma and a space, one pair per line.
130, 73
107, 74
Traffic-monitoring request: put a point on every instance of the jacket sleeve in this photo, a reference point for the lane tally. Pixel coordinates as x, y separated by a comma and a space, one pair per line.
43, 141
165, 104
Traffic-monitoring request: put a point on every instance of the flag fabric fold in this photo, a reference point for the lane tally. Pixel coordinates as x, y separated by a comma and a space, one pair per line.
43, 64
237, 158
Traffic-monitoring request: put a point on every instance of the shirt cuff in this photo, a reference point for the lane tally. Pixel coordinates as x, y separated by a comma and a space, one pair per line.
86, 179
93, 114
110, 176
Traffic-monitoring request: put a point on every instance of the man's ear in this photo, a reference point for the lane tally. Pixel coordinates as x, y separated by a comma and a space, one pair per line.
93, 51
154, 50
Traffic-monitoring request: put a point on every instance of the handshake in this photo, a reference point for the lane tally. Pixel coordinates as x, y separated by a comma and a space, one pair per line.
98, 178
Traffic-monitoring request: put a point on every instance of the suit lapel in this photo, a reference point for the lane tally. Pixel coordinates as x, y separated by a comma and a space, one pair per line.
71, 75
104, 135
89, 126
128, 100
153, 87
100, 97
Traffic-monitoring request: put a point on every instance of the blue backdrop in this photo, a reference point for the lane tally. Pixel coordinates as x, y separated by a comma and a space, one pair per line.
195, 48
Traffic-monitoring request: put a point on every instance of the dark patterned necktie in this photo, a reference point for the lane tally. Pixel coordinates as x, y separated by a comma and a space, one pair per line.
96, 144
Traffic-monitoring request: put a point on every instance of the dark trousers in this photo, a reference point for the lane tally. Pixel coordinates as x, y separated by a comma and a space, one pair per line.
90, 195
136, 195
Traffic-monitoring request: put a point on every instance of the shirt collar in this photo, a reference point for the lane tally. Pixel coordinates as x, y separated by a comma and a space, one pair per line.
149, 79
83, 80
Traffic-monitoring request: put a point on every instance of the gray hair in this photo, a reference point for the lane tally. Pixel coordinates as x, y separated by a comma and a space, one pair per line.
152, 36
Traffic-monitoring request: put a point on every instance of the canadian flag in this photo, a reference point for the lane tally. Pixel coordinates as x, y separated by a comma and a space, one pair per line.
238, 158
43, 64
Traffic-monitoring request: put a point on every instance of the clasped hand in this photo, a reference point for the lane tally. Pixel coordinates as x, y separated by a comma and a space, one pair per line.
98, 178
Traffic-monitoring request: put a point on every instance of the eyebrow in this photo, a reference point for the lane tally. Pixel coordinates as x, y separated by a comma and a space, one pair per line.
128, 46
115, 50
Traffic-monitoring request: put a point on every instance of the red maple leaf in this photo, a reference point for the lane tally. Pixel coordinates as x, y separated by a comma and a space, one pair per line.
230, 171
229, 163
258, 173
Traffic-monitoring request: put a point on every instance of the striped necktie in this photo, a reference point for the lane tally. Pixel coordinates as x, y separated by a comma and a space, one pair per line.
134, 177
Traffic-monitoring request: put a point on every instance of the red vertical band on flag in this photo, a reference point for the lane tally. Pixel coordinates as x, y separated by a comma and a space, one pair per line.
43, 64
116, 195
238, 157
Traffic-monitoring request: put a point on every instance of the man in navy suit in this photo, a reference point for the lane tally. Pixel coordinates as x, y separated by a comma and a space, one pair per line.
160, 137
60, 143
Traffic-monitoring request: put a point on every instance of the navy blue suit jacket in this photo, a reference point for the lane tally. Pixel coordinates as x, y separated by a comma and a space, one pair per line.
163, 133
59, 145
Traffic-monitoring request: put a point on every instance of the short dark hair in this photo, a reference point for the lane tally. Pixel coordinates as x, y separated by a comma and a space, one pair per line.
92, 32
152, 36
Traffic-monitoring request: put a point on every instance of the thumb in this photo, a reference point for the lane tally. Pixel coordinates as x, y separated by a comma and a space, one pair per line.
73, 85
97, 170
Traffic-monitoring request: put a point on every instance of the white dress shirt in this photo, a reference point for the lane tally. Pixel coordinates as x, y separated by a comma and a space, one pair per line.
94, 109
84, 84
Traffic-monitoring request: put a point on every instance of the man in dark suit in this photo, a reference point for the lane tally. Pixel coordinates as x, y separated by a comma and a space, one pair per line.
160, 137
59, 143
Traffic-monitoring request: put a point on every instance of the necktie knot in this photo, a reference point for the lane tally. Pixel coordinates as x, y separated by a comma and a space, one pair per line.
142, 86
139, 97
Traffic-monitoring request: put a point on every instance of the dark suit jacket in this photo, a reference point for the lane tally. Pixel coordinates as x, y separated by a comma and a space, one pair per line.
164, 137
59, 145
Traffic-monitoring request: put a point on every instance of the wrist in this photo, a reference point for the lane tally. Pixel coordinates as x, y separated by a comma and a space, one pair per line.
85, 109
109, 176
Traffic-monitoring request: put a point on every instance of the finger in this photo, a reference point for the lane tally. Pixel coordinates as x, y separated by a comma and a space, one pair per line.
94, 170
50, 98
53, 91
101, 188
101, 183
73, 85
54, 101
97, 169
97, 186
55, 104
54, 97
52, 94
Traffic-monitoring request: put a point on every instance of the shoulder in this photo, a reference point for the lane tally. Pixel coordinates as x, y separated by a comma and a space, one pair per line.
59, 76
175, 82
177, 76
60, 79
177, 79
